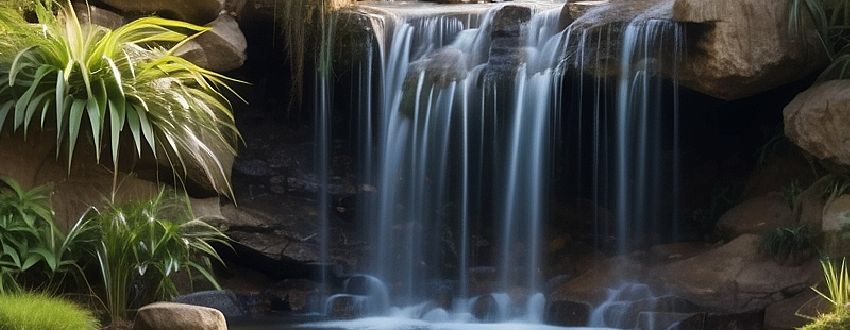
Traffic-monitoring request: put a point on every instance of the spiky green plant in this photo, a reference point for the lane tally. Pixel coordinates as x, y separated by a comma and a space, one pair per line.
788, 245
142, 245
78, 77
831, 19
837, 283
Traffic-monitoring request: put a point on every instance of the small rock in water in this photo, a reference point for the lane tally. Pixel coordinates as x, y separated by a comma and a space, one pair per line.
253, 167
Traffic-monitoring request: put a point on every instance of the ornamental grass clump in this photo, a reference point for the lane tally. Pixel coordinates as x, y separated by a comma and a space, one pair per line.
43, 312
78, 79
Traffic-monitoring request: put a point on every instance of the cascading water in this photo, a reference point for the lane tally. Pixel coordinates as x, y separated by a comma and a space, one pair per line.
458, 122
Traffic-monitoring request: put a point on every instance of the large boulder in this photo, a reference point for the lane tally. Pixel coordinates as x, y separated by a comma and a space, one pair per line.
220, 49
33, 162
756, 215
817, 121
734, 278
743, 47
734, 48
193, 11
176, 316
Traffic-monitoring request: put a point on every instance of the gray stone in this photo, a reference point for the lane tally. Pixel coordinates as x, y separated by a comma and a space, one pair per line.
224, 301
221, 49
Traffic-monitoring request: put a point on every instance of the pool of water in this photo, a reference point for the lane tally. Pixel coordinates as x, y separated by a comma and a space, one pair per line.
377, 323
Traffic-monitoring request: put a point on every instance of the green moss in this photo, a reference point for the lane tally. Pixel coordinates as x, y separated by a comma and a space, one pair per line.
41, 312
831, 321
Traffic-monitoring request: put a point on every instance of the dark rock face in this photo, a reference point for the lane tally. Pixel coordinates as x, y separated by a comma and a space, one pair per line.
225, 301
568, 313
506, 51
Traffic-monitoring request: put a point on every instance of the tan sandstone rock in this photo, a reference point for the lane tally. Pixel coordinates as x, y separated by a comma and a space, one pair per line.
175, 316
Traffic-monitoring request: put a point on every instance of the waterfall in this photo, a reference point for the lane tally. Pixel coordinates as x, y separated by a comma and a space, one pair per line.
459, 119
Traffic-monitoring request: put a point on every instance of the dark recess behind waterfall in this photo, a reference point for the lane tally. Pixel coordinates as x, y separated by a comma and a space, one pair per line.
719, 140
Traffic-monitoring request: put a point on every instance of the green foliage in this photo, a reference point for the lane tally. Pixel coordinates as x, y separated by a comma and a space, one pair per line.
84, 79
141, 245
300, 20
837, 283
838, 185
788, 245
791, 193
830, 321
41, 312
831, 19
29, 238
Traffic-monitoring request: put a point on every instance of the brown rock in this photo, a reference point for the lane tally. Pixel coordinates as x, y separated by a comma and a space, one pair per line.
734, 278
192, 11
220, 49
756, 215
745, 47
785, 314
175, 316
817, 121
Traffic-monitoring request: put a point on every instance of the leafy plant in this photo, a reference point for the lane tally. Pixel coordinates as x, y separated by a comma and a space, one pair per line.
29, 237
142, 245
42, 312
831, 19
79, 77
788, 245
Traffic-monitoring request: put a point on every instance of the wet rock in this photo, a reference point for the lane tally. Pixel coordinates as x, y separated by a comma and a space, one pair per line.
485, 308
718, 321
733, 277
756, 215
630, 313
224, 301
295, 295
784, 314
175, 316
817, 121
506, 51
345, 306
285, 228
441, 68
568, 313
192, 11
221, 49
